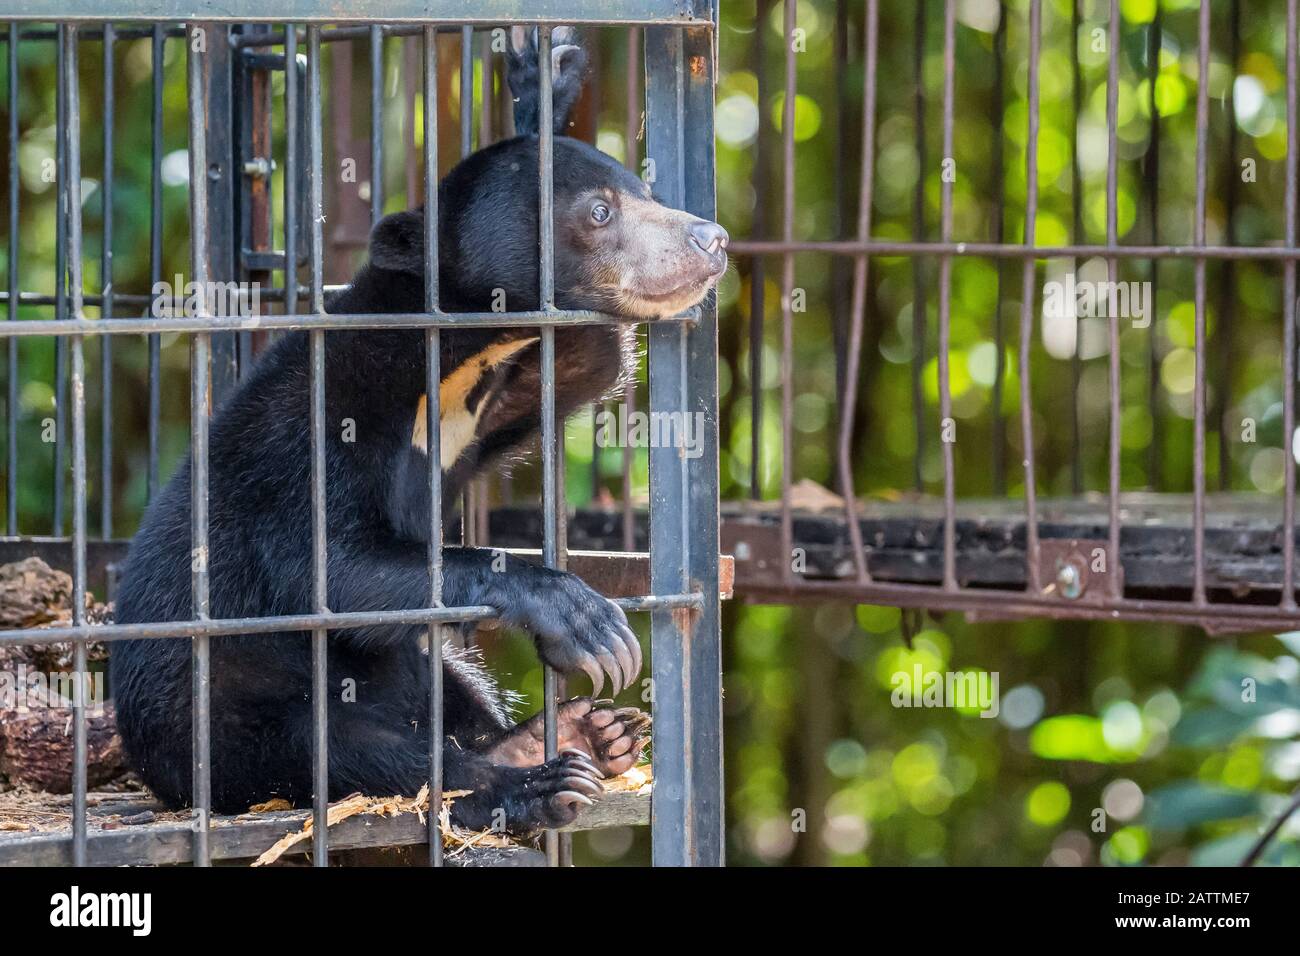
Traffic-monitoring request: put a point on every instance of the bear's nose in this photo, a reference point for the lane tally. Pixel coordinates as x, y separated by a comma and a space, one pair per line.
709, 236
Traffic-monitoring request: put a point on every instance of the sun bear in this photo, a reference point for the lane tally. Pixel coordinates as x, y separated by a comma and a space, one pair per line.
616, 250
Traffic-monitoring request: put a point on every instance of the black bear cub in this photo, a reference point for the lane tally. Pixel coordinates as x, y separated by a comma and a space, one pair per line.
616, 250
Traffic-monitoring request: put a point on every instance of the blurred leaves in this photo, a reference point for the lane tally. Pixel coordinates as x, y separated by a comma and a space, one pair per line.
1182, 805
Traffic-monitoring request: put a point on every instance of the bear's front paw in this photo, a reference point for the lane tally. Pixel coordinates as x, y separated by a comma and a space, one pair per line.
578, 629
553, 794
568, 68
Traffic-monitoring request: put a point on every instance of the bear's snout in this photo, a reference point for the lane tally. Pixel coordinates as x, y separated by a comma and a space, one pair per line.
710, 239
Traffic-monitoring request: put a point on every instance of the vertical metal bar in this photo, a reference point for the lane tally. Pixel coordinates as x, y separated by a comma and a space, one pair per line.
466, 90
1151, 173
60, 278
486, 76
859, 303
377, 123
997, 145
671, 818
632, 158
839, 291
219, 127
155, 255
469, 499
1077, 235
918, 235
546, 274
791, 12
1198, 238
757, 263
1289, 316
1112, 268
291, 172
488, 73
686, 816
1226, 338
200, 400
106, 292
433, 379
320, 557
945, 300
410, 76
71, 134
252, 108
11, 396
555, 474
698, 365
594, 471
1027, 303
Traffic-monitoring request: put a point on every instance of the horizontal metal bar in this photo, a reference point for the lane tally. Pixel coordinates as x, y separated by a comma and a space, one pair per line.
661, 602
988, 601
91, 33
145, 300
119, 298
994, 250
321, 320
344, 34
221, 627
337, 621
555, 12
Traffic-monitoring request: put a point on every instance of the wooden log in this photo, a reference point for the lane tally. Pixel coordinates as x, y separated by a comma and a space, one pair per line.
35, 679
36, 748
32, 593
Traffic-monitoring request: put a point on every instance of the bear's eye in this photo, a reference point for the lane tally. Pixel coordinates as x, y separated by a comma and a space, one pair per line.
600, 214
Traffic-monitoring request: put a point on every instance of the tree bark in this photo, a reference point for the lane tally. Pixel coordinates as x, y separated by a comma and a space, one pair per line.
32, 593
36, 748
35, 718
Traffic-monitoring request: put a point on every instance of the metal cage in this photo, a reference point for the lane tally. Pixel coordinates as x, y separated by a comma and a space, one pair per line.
228, 83
1227, 563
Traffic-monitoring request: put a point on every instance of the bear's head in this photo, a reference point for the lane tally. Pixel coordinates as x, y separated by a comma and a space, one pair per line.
616, 248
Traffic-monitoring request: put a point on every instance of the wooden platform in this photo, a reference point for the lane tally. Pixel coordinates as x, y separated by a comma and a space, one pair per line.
165, 839
904, 540
904, 543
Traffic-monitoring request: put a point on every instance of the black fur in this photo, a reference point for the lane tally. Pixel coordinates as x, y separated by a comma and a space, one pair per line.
377, 506
569, 66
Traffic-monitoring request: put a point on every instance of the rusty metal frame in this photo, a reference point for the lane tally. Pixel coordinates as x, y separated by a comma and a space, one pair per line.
1039, 594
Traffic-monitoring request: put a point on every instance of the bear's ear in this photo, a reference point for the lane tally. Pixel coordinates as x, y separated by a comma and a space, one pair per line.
568, 70
397, 242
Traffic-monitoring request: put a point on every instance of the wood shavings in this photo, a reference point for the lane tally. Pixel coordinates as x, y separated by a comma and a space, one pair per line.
638, 780
279, 803
810, 496
455, 840
26, 810
355, 805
